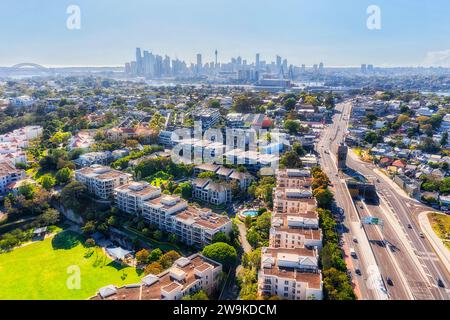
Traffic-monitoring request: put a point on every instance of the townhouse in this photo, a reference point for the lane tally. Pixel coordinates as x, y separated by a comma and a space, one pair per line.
243, 179
91, 158
211, 192
101, 180
187, 276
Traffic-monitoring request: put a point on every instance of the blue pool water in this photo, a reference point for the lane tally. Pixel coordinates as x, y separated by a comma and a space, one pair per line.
250, 213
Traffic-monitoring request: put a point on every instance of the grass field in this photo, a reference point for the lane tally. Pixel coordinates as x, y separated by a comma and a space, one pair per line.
40, 270
441, 226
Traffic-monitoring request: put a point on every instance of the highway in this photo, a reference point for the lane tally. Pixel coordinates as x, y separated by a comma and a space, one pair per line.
418, 261
396, 251
369, 285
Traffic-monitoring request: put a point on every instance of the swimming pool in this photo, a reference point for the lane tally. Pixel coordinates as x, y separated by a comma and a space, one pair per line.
250, 213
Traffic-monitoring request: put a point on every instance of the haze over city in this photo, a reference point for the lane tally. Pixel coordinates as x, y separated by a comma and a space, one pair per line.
412, 32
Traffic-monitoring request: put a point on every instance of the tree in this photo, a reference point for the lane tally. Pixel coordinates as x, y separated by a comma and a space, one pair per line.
248, 221
222, 253
169, 258
372, 137
142, 256
201, 295
157, 235
290, 103
27, 189
157, 122
444, 139
263, 224
214, 103
155, 255
298, 149
89, 243
309, 99
88, 228
49, 217
292, 126
112, 221
172, 238
221, 237
207, 175
291, 160
73, 195
186, 190
337, 285
252, 259
253, 237
324, 197
63, 175
153, 268
47, 181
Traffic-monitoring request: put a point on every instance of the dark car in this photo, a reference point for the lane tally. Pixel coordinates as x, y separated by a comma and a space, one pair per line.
358, 272
389, 281
440, 283
409, 226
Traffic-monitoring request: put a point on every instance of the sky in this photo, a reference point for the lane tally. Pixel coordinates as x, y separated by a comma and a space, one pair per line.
335, 32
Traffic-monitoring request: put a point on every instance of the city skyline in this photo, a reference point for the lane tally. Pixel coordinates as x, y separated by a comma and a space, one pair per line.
301, 31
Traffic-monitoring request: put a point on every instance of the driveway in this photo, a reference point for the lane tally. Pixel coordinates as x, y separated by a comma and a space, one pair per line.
243, 237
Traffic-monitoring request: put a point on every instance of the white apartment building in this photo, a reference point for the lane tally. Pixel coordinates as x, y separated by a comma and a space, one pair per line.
8, 175
101, 180
291, 274
130, 197
193, 226
12, 144
187, 276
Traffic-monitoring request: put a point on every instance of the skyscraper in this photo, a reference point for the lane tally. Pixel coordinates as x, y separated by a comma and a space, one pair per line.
278, 62
138, 61
199, 63
257, 65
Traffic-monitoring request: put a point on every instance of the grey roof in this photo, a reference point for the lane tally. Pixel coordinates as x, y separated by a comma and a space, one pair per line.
107, 291
118, 252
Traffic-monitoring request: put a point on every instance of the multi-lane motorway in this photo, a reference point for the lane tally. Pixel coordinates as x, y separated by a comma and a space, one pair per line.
397, 251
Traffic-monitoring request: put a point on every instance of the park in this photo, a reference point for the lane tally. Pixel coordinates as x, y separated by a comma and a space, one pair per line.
22, 276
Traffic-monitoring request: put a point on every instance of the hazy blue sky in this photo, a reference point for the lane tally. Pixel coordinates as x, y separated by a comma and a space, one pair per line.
333, 31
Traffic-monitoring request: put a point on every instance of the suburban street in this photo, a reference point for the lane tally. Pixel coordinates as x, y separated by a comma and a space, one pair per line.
395, 251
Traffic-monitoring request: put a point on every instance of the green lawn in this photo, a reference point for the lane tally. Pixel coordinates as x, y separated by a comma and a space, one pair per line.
441, 226
40, 270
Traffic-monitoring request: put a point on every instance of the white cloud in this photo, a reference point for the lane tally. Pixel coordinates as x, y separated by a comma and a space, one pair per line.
437, 58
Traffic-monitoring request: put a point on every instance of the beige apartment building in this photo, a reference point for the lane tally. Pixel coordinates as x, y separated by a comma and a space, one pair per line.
186, 276
293, 178
291, 274
193, 226
290, 200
